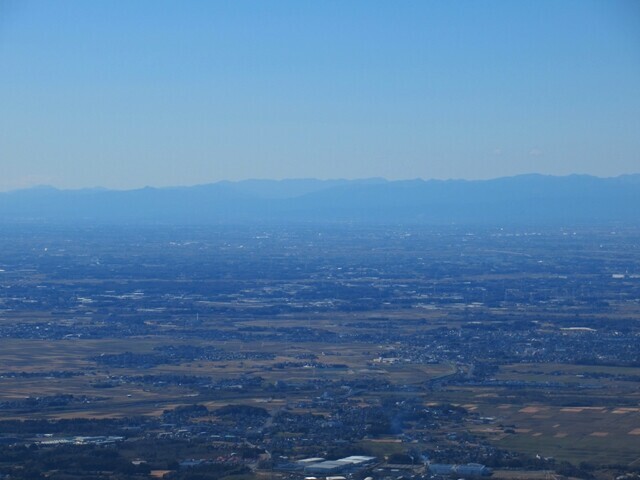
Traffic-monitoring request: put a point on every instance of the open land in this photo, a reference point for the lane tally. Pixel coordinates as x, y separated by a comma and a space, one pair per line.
225, 352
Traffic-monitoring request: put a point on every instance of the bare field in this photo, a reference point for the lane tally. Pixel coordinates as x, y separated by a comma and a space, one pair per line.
36, 359
575, 434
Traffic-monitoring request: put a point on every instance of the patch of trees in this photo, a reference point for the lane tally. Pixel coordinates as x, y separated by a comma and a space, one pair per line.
174, 355
241, 410
69, 461
31, 404
183, 413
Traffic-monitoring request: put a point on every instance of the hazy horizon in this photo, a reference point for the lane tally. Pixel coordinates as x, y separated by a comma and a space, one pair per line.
313, 179
166, 94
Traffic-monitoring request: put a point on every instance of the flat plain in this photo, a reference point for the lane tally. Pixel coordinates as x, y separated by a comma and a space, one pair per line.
518, 349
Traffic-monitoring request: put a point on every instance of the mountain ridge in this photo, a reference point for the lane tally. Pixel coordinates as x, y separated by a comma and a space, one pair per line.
529, 198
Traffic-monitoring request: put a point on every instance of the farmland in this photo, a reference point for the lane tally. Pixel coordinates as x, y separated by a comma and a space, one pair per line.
518, 349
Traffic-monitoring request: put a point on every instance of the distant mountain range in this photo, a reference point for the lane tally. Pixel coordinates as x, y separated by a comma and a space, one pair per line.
524, 199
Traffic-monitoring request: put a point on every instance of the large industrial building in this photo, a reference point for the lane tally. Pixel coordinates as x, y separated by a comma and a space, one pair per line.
343, 465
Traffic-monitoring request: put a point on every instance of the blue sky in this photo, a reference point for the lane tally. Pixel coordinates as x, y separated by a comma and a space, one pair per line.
127, 94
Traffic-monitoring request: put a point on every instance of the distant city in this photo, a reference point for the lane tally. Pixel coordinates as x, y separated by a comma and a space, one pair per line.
329, 351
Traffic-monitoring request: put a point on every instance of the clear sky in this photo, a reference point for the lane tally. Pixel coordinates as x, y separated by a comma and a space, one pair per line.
124, 94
